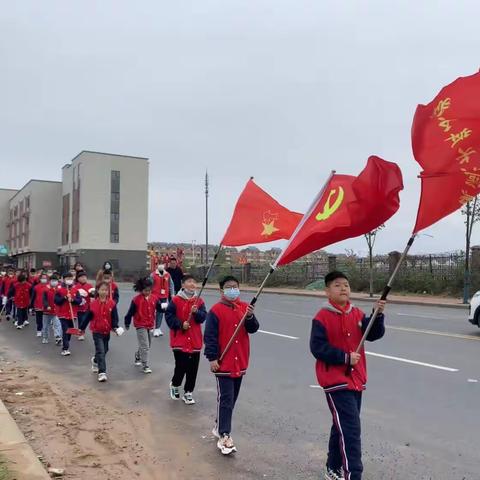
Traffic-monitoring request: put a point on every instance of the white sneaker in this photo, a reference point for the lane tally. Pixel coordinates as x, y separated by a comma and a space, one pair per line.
226, 445
174, 393
44, 341
102, 377
65, 353
146, 369
161, 333
19, 327
26, 322
81, 338
215, 432
15, 323
94, 365
137, 361
188, 398
157, 332
58, 340
39, 334
334, 474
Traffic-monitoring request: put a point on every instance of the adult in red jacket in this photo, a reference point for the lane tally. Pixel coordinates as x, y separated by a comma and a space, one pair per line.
143, 309
67, 302
185, 315
20, 292
37, 301
103, 318
222, 320
86, 292
336, 333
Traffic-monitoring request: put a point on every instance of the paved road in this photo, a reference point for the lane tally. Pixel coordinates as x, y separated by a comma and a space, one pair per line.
421, 410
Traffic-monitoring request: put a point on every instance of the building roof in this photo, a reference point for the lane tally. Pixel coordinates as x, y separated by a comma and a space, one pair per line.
103, 153
33, 180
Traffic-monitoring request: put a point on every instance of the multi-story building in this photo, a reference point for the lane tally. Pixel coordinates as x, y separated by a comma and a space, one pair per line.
104, 214
33, 224
5, 195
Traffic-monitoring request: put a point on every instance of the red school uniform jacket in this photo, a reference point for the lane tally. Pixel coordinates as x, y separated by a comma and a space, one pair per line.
22, 292
143, 310
63, 306
38, 296
103, 316
336, 332
7, 283
161, 285
178, 312
222, 320
49, 297
85, 305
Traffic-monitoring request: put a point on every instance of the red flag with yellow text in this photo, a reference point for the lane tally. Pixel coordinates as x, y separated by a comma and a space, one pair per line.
446, 144
259, 218
350, 206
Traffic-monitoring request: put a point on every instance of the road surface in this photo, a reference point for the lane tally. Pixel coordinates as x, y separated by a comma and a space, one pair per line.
421, 415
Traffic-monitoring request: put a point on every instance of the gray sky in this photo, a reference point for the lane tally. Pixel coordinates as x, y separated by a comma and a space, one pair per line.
281, 90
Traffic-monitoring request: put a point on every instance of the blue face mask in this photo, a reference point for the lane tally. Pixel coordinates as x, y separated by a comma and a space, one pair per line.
231, 293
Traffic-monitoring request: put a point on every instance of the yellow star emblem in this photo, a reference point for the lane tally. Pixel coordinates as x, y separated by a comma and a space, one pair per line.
269, 228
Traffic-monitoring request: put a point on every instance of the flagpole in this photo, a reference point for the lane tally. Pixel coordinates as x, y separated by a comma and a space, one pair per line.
273, 267
386, 291
212, 263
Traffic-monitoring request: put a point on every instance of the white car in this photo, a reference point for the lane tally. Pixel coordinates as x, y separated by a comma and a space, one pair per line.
474, 314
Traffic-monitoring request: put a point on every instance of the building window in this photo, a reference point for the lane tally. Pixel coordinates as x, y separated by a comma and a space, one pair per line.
27, 203
65, 219
76, 206
115, 207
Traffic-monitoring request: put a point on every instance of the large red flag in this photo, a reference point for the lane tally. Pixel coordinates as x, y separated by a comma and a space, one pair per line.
446, 144
259, 218
350, 206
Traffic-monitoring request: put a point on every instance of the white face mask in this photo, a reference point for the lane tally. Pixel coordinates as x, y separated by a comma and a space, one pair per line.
54, 283
43, 280
161, 268
69, 282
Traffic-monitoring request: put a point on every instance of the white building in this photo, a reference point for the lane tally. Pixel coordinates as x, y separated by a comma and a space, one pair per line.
33, 224
5, 195
105, 212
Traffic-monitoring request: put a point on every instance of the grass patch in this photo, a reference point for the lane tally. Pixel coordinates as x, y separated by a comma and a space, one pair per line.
5, 473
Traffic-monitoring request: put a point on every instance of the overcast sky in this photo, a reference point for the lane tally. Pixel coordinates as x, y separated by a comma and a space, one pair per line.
281, 90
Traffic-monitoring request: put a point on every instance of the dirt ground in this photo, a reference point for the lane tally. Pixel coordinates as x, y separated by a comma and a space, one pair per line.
85, 432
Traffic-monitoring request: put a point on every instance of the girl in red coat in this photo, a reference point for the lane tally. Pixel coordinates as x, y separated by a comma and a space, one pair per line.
185, 315
103, 318
143, 311
86, 291
222, 320
37, 301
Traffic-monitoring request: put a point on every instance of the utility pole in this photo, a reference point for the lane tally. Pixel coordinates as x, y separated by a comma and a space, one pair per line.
206, 217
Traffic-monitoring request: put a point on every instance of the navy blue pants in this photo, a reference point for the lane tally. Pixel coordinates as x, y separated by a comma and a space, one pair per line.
227, 393
39, 320
22, 315
66, 337
345, 448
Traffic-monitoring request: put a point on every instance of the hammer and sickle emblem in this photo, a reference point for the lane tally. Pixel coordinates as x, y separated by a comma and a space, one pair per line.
329, 210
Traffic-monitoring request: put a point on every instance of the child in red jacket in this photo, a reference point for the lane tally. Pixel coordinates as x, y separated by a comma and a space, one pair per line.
37, 301
222, 320
50, 318
185, 315
21, 292
143, 311
103, 318
337, 330
86, 292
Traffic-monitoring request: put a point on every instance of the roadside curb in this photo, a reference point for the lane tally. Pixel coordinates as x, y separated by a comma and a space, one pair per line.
427, 302
20, 457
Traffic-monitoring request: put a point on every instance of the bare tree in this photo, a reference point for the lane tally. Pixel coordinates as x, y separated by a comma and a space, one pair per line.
472, 213
371, 237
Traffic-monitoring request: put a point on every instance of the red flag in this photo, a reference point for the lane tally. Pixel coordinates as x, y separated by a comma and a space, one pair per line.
350, 206
446, 144
259, 218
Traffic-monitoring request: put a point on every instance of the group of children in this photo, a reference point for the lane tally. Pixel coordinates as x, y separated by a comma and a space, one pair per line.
336, 332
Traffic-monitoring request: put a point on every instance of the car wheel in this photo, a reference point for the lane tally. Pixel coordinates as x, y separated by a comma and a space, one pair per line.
476, 318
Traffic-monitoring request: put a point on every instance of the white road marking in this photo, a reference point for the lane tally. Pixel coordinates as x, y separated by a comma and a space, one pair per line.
419, 315
472, 380
279, 335
413, 362
315, 386
433, 332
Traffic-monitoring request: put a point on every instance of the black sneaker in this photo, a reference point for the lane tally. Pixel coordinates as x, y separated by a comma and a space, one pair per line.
334, 474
